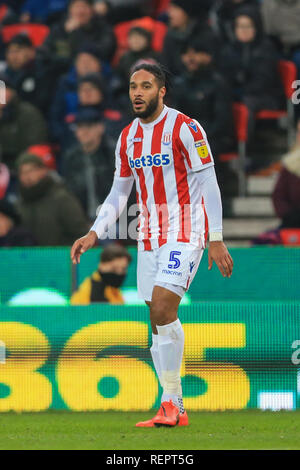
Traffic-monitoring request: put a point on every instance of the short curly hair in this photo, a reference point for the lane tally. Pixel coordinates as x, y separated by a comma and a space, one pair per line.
161, 74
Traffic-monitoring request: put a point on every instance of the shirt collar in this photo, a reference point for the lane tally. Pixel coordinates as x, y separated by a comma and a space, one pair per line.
149, 125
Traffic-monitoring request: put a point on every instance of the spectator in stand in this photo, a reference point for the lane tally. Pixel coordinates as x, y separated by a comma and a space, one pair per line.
21, 125
11, 232
200, 91
91, 94
32, 80
223, 14
250, 65
47, 11
88, 167
65, 103
9, 14
160, 9
47, 209
286, 195
81, 26
139, 45
116, 11
187, 19
281, 20
104, 284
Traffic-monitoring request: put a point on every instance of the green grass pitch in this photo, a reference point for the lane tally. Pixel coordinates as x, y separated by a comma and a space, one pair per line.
247, 429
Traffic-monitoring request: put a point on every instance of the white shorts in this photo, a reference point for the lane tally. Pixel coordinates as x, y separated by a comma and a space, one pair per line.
172, 266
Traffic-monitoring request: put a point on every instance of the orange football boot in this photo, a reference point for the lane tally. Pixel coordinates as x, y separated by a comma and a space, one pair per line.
183, 420
149, 423
169, 416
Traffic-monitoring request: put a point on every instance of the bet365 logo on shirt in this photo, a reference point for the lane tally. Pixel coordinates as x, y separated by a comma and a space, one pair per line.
150, 160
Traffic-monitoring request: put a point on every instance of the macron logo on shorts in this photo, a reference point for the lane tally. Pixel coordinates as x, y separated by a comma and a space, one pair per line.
172, 273
157, 160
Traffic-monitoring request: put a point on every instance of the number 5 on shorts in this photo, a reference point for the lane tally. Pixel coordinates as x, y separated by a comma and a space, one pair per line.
175, 260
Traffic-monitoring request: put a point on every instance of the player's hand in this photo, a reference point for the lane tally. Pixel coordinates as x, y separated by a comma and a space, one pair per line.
82, 245
219, 254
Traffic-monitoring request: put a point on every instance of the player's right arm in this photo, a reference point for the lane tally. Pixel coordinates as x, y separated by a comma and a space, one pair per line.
113, 205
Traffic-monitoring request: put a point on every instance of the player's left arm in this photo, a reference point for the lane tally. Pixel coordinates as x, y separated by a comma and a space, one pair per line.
217, 251
199, 157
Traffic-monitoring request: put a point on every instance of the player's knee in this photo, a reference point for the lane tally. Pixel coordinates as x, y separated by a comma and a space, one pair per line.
160, 312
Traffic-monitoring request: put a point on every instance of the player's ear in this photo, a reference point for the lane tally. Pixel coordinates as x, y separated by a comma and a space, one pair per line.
163, 91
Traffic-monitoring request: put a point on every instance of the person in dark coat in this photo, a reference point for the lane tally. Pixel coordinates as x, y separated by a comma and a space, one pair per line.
200, 91
223, 14
47, 208
139, 44
65, 102
21, 125
286, 194
187, 19
105, 283
31, 79
11, 232
116, 11
250, 64
91, 93
88, 167
81, 26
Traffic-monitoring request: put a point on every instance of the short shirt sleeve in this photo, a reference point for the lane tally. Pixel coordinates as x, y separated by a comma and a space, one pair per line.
195, 145
123, 169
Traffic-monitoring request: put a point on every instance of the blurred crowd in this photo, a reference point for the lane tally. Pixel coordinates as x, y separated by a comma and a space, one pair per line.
66, 64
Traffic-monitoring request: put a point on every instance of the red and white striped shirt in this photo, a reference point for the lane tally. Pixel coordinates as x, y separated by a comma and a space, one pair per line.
162, 156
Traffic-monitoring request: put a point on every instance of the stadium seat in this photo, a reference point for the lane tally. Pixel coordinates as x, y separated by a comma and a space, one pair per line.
36, 32
240, 116
112, 114
290, 236
121, 30
161, 6
288, 74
